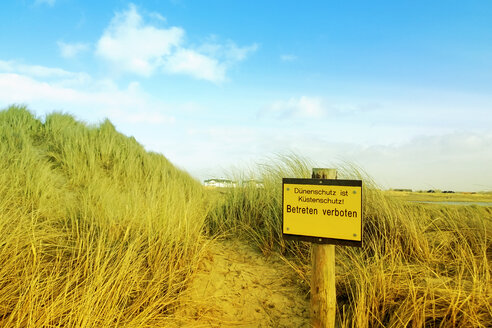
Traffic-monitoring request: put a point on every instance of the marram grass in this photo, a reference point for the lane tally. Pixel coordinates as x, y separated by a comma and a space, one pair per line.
420, 265
97, 232
94, 230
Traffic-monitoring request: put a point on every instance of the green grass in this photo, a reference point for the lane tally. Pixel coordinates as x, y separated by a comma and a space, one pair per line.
94, 230
420, 265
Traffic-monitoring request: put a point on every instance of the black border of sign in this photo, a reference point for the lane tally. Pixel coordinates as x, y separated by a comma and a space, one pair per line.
324, 182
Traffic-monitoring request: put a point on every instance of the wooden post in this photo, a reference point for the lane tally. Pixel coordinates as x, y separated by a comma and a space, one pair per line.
323, 293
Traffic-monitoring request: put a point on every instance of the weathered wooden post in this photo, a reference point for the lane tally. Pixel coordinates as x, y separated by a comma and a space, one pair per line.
325, 211
323, 292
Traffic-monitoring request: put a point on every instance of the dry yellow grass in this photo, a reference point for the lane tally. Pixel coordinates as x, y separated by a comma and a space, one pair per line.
94, 231
97, 232
420, 265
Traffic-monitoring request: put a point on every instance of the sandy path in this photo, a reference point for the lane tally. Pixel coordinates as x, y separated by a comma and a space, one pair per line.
237, 286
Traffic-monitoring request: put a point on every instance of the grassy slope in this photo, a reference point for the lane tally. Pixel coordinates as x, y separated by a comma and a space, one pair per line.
420, 265
94, 230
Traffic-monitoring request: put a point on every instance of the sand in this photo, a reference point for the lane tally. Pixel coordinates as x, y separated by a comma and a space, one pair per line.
237, 286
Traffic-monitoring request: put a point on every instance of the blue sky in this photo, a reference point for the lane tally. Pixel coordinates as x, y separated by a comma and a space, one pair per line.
402, 89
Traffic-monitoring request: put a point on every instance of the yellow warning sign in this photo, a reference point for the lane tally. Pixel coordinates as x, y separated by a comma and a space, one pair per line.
328, 211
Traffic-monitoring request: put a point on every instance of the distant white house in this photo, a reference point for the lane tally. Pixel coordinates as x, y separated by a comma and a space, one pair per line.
226, 183
219, 183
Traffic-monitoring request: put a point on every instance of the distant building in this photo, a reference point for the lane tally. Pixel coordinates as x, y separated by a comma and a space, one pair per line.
226, 183
219, 183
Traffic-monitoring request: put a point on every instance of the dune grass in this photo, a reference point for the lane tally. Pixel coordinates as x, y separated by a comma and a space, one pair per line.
420, 265
97, 232
94, 230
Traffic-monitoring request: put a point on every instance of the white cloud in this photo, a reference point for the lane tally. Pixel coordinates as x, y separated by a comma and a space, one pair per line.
145, 117
454, 161
91, 101
134, 46
71, 50
236, 54
229, 52
450, 161
304, 107
157, 16
60, 76
195, 64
